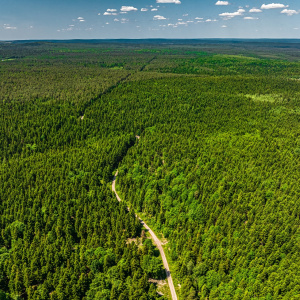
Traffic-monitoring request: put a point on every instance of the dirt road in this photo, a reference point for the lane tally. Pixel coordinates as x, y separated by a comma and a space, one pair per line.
157, 243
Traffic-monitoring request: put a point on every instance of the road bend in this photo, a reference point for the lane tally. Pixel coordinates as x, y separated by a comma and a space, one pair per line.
157, 243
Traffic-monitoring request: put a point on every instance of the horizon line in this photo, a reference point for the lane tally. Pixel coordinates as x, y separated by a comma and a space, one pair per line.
149, 39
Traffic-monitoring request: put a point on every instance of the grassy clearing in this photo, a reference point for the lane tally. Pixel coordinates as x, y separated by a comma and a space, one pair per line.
265, 98
7, 59
117, 68
237, 56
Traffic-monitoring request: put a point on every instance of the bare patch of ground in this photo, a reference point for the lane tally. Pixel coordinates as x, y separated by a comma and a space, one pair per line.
135, 240
164, 241
161, 285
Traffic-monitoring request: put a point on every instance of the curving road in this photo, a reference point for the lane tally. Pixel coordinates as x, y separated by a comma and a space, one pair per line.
157, 243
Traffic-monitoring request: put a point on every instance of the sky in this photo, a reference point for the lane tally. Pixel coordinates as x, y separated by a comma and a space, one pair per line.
131, 19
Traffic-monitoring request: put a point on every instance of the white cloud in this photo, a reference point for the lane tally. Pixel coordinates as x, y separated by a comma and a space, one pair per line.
108, 13
169, 1
198, 18
70, 28
128, 8
181, 23
289, 12
228, 15
144, 9
158, 17
255, 10
9, 27
111, 10
116, 20
124, 20
80, 18
273, 5
154, 9
222, 3
250, 18
224, 26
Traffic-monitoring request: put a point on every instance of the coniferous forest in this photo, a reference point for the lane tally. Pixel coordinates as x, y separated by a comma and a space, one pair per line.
215, 170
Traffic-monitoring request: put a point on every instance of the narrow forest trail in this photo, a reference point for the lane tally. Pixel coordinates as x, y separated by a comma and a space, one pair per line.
112, 87
157, 242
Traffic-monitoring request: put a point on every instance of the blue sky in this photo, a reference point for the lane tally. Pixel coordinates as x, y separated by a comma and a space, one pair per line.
85, 19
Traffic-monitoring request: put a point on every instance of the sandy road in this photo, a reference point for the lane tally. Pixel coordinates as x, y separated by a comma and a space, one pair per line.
157, 243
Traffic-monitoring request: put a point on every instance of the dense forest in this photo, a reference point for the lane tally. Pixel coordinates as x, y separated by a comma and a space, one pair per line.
215, 171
